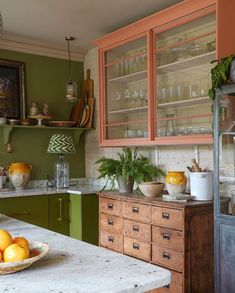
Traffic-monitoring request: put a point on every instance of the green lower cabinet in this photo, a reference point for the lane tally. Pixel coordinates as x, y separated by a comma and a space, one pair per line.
59, 213
30, 209
84, 217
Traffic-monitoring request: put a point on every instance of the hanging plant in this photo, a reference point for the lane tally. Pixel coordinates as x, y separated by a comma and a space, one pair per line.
220, 74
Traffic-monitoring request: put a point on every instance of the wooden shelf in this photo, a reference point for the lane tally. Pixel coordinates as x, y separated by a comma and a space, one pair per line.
130, 111
8, 129
182, 103
187, 63
136, 76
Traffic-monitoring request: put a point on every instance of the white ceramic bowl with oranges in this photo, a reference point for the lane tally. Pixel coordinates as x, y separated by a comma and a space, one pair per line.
18, 253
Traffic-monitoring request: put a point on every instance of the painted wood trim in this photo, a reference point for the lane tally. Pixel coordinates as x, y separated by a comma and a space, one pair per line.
158, 19
40, 48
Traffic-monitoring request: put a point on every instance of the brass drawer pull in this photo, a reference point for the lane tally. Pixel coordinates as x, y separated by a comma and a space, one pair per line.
166, 236
136, 228
136, 246
135, 210
167, 286
110, 222
166, 255
110, 239
110, 206
166, 216
22, 213
60, 218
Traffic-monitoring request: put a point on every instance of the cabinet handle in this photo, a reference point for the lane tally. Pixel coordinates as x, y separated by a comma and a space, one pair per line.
110, 206
23, 213
166, 236
110, 239
136, 228
110, 222
135, 210
60, 218
166, 216
167, 286
136, 246
166, 255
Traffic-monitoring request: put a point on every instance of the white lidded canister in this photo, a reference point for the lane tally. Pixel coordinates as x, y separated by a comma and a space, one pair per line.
201, 185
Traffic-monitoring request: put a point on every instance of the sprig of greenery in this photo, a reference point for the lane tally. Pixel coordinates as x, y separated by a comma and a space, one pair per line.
129, 164
220, 74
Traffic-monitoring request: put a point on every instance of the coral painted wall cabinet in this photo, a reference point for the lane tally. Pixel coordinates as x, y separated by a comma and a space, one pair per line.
154, 75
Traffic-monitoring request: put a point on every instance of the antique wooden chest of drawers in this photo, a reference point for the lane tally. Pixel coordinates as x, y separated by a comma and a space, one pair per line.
176, 236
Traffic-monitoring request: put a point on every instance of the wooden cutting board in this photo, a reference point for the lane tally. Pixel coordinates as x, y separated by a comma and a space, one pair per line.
77, 110
88, 86
91, 103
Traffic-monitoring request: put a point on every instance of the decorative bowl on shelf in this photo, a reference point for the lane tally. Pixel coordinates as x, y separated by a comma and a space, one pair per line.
151, 189
37, 251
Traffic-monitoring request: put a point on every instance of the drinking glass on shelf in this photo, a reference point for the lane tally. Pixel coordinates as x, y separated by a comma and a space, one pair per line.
194, 89
170, 94
177, 92
170, 125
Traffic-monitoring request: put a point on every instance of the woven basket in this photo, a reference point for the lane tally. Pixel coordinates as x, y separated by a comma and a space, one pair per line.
12, 267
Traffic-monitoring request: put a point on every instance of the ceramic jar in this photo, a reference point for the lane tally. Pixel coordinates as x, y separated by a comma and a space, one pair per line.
19, 174
175, 182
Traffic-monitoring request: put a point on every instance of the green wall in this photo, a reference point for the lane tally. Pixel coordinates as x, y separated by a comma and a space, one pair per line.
45, 82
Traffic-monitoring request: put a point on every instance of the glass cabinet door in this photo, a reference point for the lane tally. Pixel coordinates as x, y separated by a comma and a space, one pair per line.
125, 91
226, 153
183, 56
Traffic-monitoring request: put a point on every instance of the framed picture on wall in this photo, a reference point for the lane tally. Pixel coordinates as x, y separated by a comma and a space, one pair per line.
12, 89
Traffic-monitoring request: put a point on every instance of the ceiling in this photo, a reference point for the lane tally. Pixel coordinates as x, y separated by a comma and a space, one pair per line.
50, 21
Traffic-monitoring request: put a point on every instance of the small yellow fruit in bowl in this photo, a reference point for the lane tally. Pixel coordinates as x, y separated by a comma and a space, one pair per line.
152, 188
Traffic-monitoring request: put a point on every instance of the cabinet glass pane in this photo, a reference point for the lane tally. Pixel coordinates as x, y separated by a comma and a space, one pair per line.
227, 155
183, 58
125, 90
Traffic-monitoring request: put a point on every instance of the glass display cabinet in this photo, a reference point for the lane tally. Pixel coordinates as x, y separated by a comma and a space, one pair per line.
183, 55
224, 188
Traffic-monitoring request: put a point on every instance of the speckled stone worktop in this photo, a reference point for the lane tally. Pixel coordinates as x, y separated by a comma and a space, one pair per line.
75, 266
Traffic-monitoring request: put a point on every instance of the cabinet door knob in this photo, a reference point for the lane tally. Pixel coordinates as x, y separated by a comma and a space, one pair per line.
110, 222
110, 239
165, 216
110, 206
166, 236
135, 210
166, 255
136, 228
136, 246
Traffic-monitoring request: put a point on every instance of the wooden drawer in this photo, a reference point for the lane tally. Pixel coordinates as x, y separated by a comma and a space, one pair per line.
111, 223
167, 217
136, 212
175, 286
111, 241
111, 206
169, 238
167, 257
137, 248
137, 230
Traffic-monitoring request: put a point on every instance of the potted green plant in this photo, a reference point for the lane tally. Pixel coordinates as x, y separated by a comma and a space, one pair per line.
130, 167
220, 74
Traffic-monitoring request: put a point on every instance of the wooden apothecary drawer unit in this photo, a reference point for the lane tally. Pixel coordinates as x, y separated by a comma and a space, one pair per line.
176, 236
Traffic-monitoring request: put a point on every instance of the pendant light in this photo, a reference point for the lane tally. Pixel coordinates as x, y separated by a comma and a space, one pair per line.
71, 86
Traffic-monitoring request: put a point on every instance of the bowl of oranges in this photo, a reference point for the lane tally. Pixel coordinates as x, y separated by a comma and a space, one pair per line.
18, 253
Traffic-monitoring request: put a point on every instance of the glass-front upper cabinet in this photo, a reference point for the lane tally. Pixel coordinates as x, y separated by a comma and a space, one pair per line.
183, 55
224, 151
125, 91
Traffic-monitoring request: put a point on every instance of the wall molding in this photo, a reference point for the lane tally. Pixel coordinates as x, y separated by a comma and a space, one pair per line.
13, 43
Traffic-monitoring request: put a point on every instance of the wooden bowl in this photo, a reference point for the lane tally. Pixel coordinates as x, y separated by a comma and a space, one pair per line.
37, 251
151, 189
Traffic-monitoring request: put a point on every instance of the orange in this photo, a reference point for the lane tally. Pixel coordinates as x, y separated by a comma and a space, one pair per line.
5, 239
21, 241
15, 252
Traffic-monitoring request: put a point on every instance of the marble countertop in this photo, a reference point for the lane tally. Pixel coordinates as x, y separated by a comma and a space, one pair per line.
75, 266
78, 189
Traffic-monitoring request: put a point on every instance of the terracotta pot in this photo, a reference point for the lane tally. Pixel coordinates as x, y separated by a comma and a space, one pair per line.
176, 182
19, 174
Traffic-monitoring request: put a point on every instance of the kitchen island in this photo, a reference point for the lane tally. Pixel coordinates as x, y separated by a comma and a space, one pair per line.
76, 266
